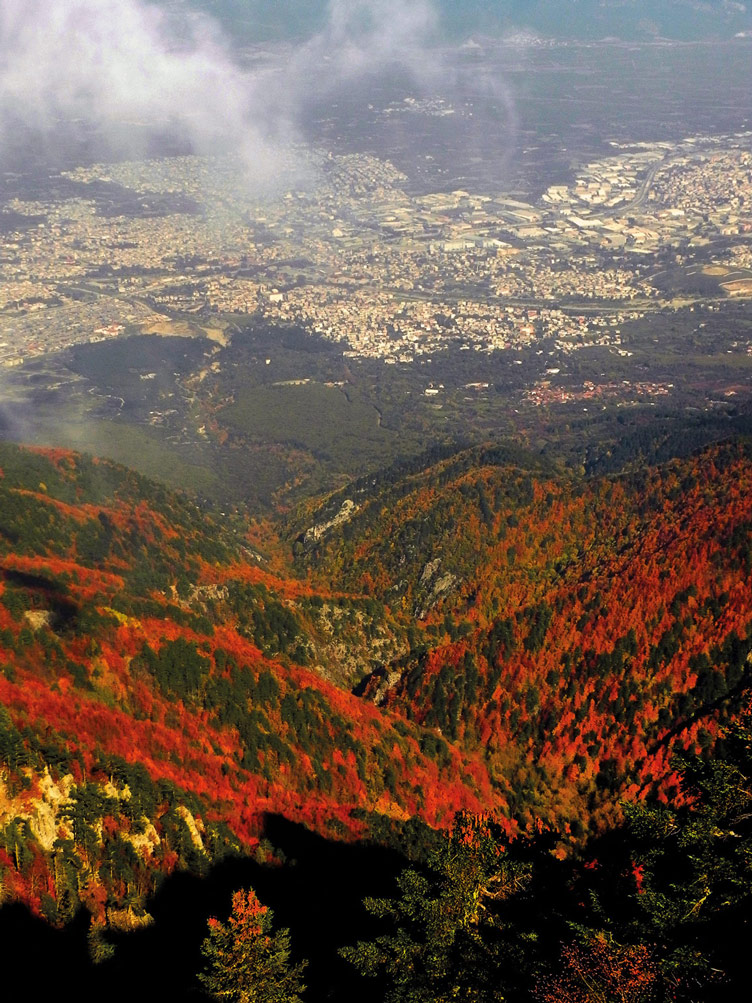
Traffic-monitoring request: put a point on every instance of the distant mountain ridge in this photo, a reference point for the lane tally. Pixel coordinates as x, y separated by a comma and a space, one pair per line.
584, 19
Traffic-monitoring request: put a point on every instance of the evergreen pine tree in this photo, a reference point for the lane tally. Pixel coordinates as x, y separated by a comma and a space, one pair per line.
245, 961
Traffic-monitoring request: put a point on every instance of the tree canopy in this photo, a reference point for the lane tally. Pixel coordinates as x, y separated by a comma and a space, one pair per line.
246, 962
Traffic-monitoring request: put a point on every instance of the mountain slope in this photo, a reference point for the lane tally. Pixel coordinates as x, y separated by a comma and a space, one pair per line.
576, 632
154, 704
523, 643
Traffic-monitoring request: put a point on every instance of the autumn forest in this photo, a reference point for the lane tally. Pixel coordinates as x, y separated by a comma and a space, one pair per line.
486, 736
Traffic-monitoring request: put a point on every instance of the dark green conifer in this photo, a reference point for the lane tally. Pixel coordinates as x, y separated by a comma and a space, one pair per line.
245, 961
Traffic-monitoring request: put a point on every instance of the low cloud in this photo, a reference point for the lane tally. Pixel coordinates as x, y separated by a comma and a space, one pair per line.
363, 36
120, 67
128, 70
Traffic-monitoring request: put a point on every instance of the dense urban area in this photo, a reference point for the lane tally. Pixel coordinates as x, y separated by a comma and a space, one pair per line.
352, 256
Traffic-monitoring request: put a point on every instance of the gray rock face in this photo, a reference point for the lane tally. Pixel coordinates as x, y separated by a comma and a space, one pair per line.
386, 683
432, 587
346, 512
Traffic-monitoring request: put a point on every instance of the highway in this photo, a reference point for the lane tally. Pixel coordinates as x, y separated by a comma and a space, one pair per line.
642, 195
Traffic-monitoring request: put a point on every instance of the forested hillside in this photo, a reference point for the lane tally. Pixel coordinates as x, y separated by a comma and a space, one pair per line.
575, 631
474, 633
156, 702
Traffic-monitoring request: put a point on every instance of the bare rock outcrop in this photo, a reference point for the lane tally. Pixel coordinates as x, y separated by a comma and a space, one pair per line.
314, 533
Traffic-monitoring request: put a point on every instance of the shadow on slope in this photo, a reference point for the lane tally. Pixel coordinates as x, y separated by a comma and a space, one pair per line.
317, 893
44, 591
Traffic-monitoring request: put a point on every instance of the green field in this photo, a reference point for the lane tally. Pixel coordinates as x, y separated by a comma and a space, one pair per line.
335, 427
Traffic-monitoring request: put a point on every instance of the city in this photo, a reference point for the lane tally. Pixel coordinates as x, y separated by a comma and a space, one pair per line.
356, 259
